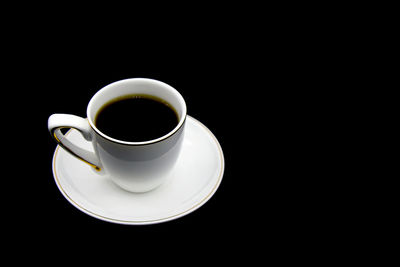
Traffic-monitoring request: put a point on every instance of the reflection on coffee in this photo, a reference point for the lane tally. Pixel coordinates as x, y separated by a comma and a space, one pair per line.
136, 118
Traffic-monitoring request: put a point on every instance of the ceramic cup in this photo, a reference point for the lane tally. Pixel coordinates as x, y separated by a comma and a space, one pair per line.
134, 166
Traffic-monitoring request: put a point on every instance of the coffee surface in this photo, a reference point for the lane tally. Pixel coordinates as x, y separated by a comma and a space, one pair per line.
136, 118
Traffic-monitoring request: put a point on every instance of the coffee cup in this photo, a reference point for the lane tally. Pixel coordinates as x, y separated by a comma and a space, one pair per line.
134, 165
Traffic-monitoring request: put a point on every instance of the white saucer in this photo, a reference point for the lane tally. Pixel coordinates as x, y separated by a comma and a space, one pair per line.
196, 177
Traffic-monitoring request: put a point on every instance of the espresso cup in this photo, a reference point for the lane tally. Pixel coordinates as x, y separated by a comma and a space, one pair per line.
134, 166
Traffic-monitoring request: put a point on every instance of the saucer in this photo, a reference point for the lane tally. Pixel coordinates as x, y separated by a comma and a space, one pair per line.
195, 178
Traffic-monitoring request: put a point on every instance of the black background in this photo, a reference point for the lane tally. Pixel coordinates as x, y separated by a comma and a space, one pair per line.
255, 85
257, 198
217, 93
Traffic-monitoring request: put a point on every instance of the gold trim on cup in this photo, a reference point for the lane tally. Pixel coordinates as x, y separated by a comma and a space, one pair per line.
53, 134
126, 143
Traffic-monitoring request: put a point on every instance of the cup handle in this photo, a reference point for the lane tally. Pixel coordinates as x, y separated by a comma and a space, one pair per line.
59, 121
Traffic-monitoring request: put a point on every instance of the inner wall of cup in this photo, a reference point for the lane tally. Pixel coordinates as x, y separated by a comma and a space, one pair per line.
136, 86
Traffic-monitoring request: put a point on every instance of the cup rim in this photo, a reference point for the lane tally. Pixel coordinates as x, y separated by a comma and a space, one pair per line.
181, 122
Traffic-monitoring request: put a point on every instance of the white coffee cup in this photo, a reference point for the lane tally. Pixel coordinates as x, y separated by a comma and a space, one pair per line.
134, 166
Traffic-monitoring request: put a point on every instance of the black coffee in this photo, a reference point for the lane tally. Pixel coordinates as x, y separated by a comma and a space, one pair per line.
136, 118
